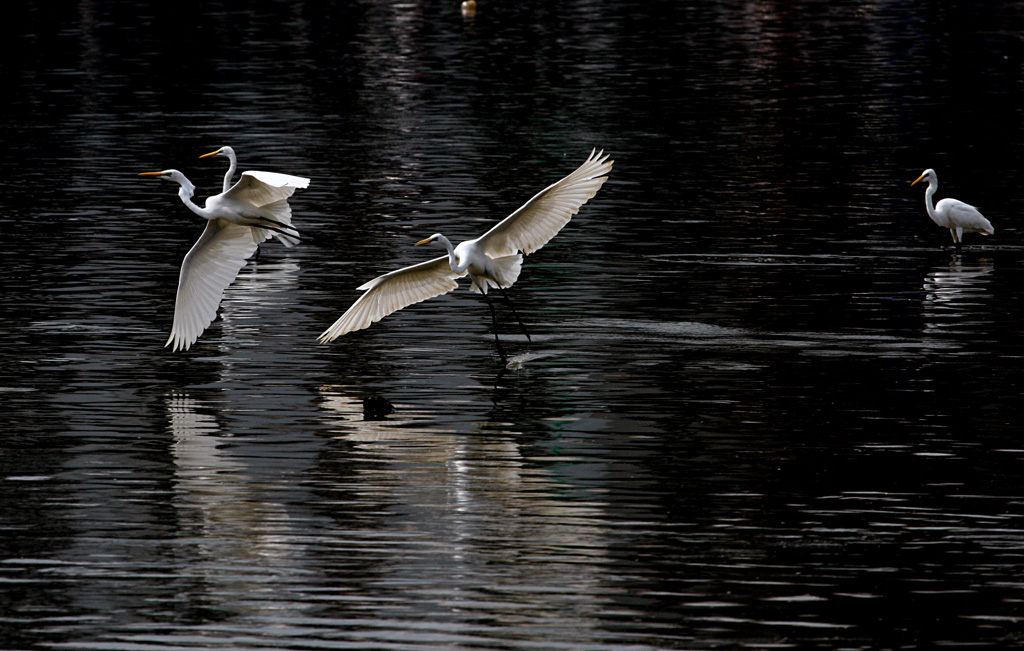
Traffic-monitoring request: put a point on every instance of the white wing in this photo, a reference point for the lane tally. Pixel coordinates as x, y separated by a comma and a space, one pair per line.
393, 291
210, 266
966, 216
540, 219
261, 188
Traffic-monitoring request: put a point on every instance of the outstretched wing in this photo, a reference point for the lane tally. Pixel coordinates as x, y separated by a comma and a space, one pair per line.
393, 291
208, 268
261, 188
540, 219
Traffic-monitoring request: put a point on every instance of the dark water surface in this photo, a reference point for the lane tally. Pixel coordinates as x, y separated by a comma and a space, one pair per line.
765, 405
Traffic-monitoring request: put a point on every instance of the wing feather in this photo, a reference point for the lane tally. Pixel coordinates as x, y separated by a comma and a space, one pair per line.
967, 217
540, 218
209, 267
260, 188
392, 292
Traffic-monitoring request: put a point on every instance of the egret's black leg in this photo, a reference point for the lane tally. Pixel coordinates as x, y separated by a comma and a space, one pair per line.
521, 324
497, 342
958, 241
278, 230
280, 225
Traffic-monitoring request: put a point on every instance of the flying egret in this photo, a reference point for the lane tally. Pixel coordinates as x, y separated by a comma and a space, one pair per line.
491, 260
232, 166
955, 215
237, 220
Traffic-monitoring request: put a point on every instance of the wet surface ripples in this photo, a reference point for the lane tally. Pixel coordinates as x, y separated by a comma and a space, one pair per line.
764, 404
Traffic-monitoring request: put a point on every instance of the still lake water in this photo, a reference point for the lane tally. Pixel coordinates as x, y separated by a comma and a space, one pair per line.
765, 405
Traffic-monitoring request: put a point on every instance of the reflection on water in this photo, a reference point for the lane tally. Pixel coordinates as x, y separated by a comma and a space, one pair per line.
261, 286
763, 407
955, 297
348, 413
240, 543
457, 507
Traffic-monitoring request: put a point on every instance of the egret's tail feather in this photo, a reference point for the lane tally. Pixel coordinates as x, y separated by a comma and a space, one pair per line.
287, 240
279, 213
262, 234
502, 272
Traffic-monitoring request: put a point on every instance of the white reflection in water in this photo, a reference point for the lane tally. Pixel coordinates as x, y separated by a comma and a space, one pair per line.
241, 534
954, 295
505, 537
259, 289
255, 308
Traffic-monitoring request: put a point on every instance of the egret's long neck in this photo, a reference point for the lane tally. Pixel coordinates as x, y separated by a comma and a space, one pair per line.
186, 198
928, 194
231, 171
452, 258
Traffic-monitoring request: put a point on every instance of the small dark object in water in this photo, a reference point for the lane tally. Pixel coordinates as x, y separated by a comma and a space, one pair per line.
376, 407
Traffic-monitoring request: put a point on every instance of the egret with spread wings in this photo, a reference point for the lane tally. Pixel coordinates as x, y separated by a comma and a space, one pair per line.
492, 260
229, 152
957, 216
237, 221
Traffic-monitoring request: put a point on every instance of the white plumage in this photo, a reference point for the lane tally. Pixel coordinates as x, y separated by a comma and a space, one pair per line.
238, 220
957, 216
492, 260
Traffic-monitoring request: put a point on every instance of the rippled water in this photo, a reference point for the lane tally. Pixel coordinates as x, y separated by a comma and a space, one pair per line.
765, 403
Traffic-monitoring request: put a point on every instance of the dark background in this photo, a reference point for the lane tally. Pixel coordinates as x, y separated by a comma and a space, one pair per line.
765, 403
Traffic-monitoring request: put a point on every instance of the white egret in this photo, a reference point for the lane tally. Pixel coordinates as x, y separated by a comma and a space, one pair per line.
953, 214
232, 166
237, 220
491, 260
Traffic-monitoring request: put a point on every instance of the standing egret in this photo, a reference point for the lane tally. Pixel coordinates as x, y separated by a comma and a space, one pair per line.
491, 260
237, 220
955, 215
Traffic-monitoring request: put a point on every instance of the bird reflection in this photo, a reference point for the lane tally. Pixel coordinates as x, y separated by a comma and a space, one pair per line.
477, 493
953, 294
244, 317
234, 524
350, 414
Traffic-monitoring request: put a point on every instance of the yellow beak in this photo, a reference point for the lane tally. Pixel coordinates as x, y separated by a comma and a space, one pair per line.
422, 242
918, 180
212, 153
152, 173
